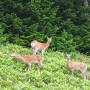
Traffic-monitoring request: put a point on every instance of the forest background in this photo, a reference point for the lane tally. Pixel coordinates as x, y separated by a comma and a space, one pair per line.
66, 21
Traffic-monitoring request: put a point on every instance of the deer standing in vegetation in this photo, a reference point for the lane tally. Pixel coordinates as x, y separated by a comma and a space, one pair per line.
29, 59
72, 65
38, 46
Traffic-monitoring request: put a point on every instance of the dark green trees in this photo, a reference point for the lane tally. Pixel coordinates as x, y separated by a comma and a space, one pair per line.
66, 21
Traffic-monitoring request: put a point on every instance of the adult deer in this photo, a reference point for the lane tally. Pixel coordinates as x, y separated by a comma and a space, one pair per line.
73, 65
40, 47
29, 59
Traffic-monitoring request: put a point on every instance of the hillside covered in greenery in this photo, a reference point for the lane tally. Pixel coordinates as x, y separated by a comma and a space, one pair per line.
53, 76
66, 21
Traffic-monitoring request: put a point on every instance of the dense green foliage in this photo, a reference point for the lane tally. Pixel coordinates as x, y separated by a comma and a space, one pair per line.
54, 76
66, 21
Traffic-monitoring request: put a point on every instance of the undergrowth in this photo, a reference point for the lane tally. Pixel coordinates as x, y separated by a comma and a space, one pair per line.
14, 74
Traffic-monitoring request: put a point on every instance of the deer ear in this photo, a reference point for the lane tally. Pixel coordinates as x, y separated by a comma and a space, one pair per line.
66, 54
70, 54
51, 38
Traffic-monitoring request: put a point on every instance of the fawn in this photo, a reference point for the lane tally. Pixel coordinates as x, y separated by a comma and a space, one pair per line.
38, 46
29, 59
72, 65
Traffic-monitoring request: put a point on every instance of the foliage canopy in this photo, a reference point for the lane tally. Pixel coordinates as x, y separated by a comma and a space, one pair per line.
25, 20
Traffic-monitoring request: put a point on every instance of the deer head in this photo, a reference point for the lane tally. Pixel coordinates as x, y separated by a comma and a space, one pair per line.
49, 40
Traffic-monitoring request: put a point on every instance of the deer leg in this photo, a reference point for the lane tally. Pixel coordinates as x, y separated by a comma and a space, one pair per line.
35, 51
85, 76
42, 53
29, 66
40, 64
72, 72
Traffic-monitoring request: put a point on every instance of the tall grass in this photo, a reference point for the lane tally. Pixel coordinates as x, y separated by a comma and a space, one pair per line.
54, 76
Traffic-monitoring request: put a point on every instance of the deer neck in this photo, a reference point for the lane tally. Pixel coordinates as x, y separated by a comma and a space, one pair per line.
19, 56
68, 60
48, 43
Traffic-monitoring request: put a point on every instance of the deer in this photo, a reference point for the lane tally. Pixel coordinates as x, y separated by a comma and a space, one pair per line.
29, 59
74, 65
41, 47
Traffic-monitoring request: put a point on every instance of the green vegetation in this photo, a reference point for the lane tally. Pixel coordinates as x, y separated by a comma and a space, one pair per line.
54, 76
66, 21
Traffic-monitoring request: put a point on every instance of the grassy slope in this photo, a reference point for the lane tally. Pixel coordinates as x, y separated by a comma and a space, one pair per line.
14, 74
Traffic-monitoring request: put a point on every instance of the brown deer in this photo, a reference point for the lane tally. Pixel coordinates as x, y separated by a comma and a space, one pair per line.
73, 65
29, 59
38, 46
